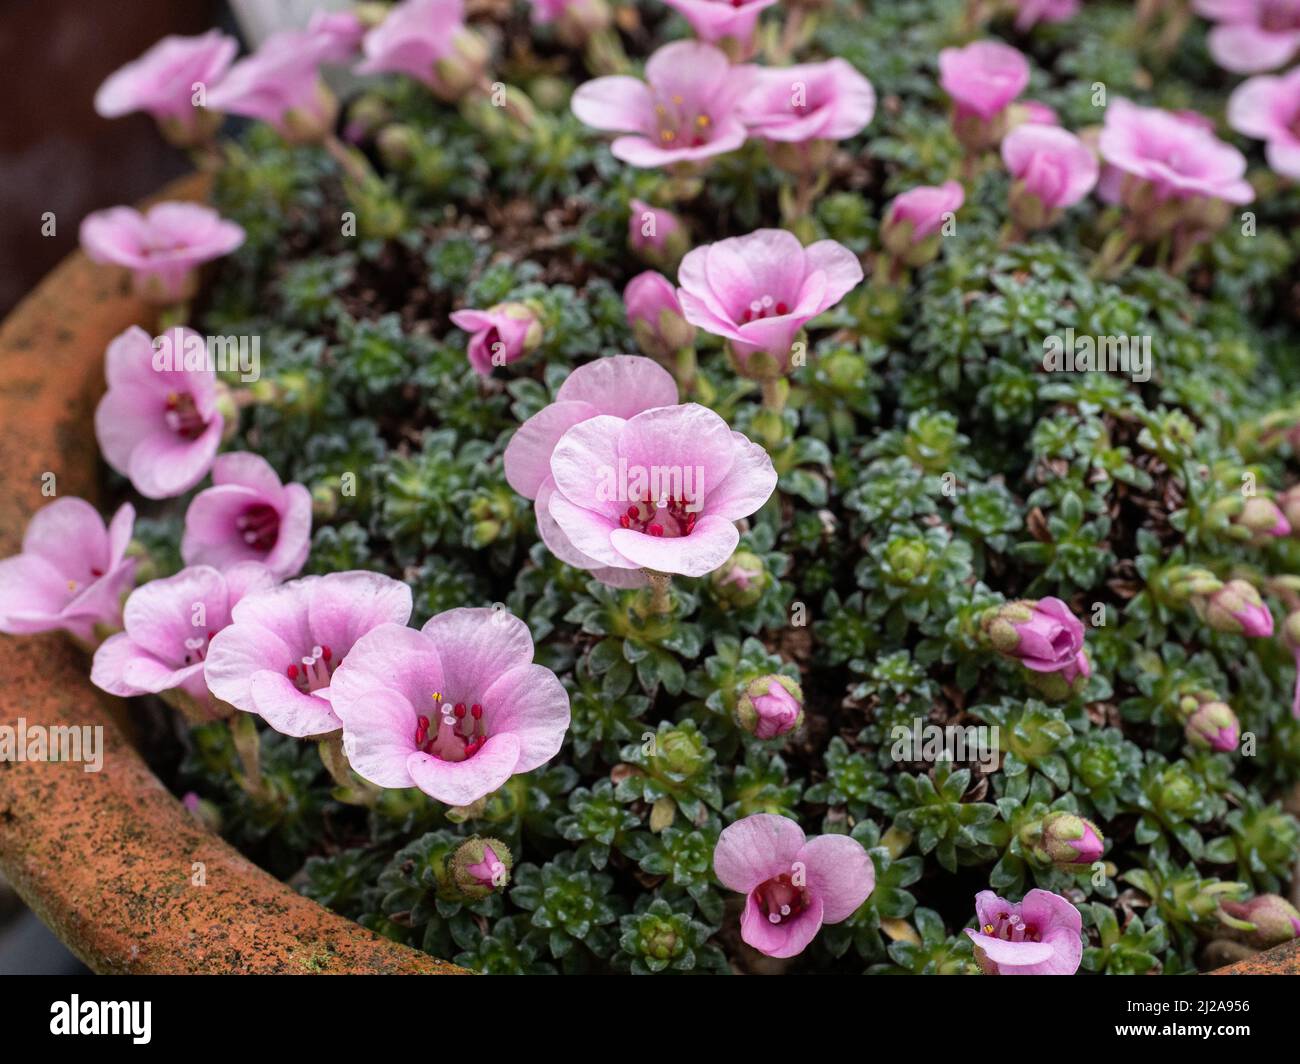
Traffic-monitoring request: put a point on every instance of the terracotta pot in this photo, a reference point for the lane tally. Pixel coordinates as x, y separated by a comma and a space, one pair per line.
109, 860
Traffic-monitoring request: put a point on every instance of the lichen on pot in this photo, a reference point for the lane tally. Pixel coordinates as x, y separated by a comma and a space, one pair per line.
941, 525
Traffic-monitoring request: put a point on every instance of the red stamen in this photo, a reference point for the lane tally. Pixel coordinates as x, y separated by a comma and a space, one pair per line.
477, 711
460, 710
325, 653
781, 308
656, 530
624, 522
292, 672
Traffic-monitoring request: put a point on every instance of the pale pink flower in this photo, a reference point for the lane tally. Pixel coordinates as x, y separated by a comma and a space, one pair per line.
686, 110
170, 624
812, 101
455, 709
71, 573
915, 216
158, 423
163, 83
427, 40
619, 385
280, 84
1252, 35
284, 644
338, 34
1174, 156
983, 77
792, 884
1052, 169
718, 20
163, 247
758, 291
1268, 109
660, 490
1041, 935
248, 515
1031, 12
499, 335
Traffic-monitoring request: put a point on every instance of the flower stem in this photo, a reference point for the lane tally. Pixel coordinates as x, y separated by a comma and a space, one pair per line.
686, 370
350, 788
661, 599
773, 394
243, 730
353, 163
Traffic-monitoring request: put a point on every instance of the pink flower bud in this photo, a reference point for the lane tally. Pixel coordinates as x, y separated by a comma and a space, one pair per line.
657, 236
1236, 608
914, 220
499, 335
480, 867
1214, 726
656, 318
428, 40
1274, 918
770, 707
1263, 518
1068, 839
1043, 635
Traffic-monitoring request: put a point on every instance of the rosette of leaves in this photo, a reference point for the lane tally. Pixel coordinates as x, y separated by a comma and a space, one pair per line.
654, 646
605, 711
683, 859
925, 948
1021, 816
1034, 737
597, 821
509, 947
911, 575
882, 917
1135, 950
1106, 768
1262, 841
1173, 800
1186, 901
956, 832
661, 937
852, 786
572, 909
761, 784
671, 770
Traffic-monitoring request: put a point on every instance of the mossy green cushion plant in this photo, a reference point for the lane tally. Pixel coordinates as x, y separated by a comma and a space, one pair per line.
964, 638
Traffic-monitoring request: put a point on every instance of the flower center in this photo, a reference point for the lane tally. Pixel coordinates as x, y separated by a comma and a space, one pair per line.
671, 517
681, 126
259, 526
763, 307
780, 900
315, 670
196, 648
453, 733
1011, 928
182, 417
1279, 16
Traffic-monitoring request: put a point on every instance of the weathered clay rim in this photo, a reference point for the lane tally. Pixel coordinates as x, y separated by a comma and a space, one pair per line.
109, 860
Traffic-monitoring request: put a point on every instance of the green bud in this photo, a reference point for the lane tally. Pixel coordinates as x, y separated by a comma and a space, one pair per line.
741, 581
479, 867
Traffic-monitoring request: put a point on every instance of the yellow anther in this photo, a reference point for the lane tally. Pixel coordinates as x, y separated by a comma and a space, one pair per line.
702, 121
668, 135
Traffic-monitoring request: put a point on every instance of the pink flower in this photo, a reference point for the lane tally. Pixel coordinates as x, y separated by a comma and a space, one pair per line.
718, 20
280, 84
1038, 936
1252, 35
656, 235
248, 515
338, 34
792, 884
574, 20
158, 423
71, 573
1052, 168
284, 644
813, 101
163, 82
499, 335
1175, 157
169, 627
913, 220
427, 40
1268, 109
686, 110
660, 490
1213, 725
163, 247
982, 79
455, 709
758, 291
1031, 12
656, 318
621, 386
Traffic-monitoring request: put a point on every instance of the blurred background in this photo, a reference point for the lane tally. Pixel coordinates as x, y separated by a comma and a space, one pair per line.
57, 155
